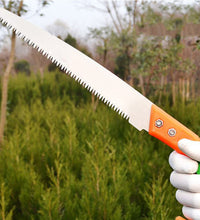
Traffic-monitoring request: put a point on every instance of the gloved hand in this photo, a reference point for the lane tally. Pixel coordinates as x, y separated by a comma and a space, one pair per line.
184, 178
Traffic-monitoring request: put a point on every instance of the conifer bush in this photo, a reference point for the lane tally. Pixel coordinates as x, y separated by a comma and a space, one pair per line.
63, 160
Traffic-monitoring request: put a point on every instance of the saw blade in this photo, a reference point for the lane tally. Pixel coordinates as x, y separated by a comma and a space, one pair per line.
109, 88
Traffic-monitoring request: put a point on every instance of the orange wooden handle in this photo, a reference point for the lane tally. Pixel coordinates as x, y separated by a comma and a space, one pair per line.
167, 129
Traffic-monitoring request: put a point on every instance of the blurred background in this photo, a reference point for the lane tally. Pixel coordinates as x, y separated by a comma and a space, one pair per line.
64, 154
151, 44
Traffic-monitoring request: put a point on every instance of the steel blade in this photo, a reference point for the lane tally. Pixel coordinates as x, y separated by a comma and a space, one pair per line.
105, 85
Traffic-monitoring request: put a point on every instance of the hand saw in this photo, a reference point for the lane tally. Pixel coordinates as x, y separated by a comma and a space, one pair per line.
137, 109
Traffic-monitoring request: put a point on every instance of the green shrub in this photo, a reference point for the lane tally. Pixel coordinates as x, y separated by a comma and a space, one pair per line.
63, 160
22, 66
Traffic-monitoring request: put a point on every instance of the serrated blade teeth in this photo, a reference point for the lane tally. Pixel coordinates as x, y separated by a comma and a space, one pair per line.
100, 81
63, 67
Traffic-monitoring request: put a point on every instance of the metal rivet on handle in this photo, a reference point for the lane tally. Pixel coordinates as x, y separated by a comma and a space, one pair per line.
159, 123
171, 132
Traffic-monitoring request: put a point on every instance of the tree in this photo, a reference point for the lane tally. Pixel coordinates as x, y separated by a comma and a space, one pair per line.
37, 61
19, 8
71, 40
59, 29
22, 66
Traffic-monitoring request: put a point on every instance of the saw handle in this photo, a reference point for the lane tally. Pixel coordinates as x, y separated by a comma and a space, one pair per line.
180, 218
170, 131
167, 129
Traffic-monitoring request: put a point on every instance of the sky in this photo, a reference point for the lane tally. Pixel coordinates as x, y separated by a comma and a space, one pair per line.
75, 15
72, 13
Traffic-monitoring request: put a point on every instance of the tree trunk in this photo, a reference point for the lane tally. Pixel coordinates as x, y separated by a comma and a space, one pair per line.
165, 86
149, 81
174, 91
41, 69
188, 89
95, 102
180, 86
162, 81
142, 85
5, 88
135, 13
183, 90
193, 87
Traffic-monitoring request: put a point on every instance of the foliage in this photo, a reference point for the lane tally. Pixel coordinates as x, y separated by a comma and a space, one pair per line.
52, 67
150, 43
14, 6
102, 39
19, 8
22, 66
63, 160
71, 40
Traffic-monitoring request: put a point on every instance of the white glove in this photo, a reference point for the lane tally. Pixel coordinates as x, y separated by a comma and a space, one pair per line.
184, 178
